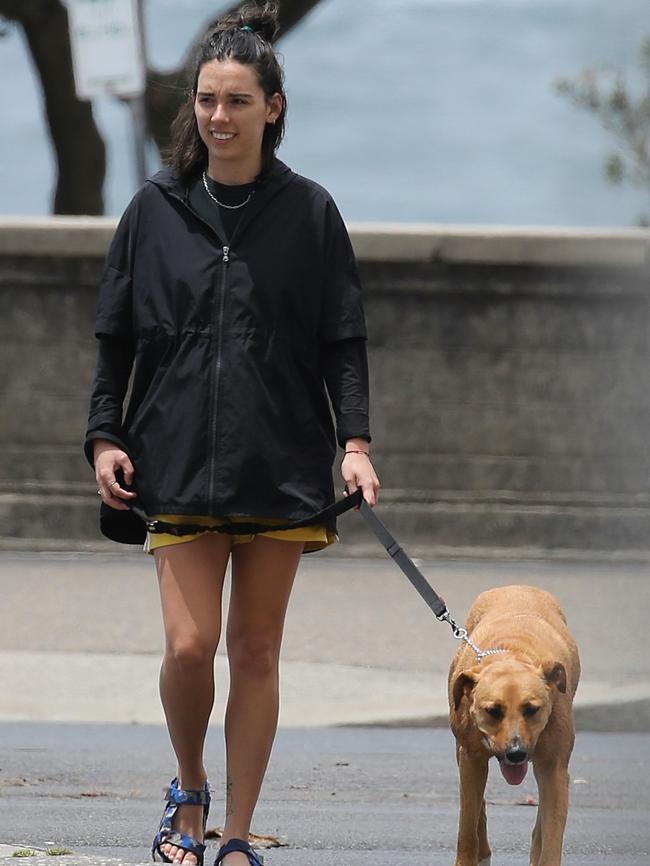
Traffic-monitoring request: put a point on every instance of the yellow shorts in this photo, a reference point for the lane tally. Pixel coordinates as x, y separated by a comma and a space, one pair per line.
315, 537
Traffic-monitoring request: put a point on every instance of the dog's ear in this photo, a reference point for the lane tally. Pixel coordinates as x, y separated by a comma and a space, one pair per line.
463, 685
555, 674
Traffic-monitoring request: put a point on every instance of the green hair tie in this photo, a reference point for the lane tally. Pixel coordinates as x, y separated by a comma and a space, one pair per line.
247, 27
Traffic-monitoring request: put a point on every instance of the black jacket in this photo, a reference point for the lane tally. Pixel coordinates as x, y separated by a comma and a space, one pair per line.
228, 413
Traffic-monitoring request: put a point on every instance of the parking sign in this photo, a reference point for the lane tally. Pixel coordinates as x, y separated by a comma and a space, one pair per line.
106, 48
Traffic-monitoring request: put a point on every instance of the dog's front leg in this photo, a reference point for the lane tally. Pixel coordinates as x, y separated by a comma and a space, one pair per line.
553, 784
473, 772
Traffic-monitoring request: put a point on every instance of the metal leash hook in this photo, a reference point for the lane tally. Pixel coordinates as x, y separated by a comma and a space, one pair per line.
458, 632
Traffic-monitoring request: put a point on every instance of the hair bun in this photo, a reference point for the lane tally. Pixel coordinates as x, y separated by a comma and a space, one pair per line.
261, 18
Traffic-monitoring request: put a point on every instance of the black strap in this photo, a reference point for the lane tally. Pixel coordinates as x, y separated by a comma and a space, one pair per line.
400, 558
239, 845
234, 528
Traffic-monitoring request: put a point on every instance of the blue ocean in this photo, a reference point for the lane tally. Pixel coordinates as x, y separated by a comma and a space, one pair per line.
438, 111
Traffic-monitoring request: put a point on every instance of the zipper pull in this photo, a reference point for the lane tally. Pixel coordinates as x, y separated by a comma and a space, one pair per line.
226, 251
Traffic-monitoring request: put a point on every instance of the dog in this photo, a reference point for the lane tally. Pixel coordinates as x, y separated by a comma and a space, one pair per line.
515, 705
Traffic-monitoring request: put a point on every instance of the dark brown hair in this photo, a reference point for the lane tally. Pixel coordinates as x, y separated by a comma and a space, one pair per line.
245, 35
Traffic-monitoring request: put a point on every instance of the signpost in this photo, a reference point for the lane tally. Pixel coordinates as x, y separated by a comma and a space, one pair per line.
108, 59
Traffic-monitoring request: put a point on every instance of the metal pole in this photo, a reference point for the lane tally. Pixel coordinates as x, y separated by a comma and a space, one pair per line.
138, 118
137, 107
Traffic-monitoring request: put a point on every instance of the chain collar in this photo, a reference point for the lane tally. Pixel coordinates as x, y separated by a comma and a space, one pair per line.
461, 634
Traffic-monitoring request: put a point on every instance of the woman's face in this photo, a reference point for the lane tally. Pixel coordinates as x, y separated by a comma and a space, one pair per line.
231, 111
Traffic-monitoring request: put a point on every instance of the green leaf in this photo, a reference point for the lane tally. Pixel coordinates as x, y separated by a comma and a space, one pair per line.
614, 168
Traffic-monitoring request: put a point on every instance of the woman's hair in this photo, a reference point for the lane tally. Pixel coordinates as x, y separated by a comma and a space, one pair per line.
245, 35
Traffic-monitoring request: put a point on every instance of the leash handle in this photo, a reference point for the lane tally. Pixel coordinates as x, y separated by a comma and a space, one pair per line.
397, 554
235, 528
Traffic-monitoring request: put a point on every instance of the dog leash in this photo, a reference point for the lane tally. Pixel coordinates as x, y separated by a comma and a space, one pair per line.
235, 528
394, 550
419, 581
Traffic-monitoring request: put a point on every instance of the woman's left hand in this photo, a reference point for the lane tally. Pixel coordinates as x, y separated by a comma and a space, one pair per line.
357, 471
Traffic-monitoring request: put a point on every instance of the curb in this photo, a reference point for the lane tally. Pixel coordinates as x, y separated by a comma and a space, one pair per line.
40, 857
626, 717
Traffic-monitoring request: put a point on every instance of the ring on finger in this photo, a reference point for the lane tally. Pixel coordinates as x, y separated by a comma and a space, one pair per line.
112, 483
99, 491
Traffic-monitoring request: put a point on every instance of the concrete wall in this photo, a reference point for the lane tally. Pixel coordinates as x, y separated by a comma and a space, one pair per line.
509, 367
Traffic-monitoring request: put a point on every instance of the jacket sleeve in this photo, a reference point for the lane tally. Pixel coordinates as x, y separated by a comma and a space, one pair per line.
114, 330
345, 367
342, 315
114, 308
114, 363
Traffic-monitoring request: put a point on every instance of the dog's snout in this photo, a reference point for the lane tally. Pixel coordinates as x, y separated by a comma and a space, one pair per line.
516, 754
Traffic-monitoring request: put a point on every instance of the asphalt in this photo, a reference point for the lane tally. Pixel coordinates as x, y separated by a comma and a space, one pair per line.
364, 665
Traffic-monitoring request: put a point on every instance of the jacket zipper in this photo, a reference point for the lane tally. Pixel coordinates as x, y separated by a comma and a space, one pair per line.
217, 378
225, 250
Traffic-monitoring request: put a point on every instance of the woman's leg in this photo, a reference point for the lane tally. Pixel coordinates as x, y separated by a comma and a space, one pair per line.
190, 577
262, 577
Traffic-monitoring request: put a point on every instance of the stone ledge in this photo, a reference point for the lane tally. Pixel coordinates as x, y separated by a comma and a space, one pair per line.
60, 236
388, 242
501, 245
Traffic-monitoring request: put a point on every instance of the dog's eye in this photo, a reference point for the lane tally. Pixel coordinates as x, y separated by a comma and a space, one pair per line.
496, 712
530, 710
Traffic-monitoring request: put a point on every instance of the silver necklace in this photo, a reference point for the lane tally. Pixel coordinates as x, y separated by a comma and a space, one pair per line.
220, 203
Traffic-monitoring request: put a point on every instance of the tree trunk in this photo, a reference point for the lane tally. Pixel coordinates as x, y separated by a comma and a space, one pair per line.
79, 148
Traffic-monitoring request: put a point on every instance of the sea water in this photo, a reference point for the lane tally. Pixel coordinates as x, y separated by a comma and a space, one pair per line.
406, 110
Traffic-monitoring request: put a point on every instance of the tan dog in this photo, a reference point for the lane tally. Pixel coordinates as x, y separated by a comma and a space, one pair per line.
517, 707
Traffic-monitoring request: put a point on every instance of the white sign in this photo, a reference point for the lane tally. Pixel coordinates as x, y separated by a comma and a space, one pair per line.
106, 48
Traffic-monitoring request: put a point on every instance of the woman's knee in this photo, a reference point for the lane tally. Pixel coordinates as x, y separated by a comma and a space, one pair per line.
190, 652
254, 654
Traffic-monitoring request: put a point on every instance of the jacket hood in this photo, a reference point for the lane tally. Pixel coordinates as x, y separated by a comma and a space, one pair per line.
169, 181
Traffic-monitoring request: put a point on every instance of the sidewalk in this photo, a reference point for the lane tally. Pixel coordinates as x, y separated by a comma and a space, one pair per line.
81, 639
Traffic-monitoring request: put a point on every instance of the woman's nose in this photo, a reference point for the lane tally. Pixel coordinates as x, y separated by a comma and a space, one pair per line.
220, 113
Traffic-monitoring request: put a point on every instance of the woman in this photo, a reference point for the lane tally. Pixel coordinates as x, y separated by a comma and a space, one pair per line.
231, 288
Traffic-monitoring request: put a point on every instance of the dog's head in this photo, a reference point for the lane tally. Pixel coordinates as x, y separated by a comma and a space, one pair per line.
510, 702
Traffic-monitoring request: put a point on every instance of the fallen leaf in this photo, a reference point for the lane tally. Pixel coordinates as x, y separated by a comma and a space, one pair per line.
255, 839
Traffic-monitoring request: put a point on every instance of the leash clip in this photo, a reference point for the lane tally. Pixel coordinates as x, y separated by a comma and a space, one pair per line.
458, 632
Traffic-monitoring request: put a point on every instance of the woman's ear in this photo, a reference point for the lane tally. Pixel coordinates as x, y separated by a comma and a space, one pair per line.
274, 107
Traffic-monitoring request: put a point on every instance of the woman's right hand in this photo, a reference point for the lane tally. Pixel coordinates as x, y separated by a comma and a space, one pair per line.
108, 460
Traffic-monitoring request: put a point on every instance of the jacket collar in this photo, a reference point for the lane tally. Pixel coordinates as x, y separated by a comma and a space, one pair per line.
267, 188
270, 183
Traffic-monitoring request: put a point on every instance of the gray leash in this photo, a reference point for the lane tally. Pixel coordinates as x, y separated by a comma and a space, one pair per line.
418, 580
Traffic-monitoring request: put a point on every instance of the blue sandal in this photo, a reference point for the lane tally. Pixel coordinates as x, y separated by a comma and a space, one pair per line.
254, 858
176, 797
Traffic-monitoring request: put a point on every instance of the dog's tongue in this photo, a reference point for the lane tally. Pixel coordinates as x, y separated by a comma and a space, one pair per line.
514, 774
